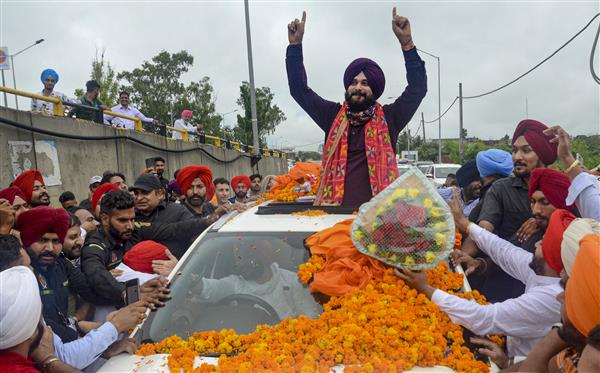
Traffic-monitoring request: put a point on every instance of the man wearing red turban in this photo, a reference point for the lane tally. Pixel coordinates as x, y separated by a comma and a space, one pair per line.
32, 185
97, 196
240, 185
506, 210
547, 193
43, 230
197, 184
16, 198
358, 157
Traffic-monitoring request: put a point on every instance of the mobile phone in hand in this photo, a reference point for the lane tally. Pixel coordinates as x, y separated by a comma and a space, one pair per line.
132, 291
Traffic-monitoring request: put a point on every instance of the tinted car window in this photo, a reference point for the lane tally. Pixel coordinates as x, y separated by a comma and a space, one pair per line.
442, 172
238, 281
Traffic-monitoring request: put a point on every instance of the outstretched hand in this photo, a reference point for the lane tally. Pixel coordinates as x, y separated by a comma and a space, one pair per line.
401, 28
562, 138
296, 30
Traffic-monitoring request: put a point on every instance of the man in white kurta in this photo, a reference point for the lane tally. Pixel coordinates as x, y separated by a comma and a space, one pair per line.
525, 319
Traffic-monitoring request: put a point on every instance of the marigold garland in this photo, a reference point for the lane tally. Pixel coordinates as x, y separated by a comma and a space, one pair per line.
385, 327
310, 213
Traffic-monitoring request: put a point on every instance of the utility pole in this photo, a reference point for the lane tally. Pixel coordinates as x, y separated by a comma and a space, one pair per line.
423, 124
460, 138
408, 139
252, 90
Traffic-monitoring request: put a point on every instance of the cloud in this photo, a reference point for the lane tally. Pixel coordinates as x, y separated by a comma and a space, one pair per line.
483, 45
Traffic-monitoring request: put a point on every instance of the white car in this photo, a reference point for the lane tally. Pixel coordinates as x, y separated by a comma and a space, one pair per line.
206, 295
439, 171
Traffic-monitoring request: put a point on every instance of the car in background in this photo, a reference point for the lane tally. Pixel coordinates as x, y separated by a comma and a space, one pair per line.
438, 172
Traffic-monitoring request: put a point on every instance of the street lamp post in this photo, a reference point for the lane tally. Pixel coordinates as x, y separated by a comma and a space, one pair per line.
12, 62
439, 105
251, 73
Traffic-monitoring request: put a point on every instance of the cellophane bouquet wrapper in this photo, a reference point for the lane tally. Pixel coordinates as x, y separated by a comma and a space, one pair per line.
408, 225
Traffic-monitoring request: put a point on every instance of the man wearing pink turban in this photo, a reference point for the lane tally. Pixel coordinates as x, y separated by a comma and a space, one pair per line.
358, 157
185, 124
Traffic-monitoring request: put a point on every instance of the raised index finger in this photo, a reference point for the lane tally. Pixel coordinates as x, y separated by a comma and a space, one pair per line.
394, 12
303, 16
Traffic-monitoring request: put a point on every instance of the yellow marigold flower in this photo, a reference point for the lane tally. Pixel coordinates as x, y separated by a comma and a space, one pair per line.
427, 202
440, 226
440, 239
398, 193
436, 212
430, 257
358, 235
413, 192
409, 261
372, 248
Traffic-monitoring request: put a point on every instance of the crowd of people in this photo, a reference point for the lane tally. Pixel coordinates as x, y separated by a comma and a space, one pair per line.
68, 310
90, 107
532, 248
531, 232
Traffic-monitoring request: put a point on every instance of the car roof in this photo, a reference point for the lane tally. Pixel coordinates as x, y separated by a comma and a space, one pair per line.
263, 218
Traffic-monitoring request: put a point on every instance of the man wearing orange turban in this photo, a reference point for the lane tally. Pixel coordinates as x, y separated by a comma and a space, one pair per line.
524, 319
196, 183
582, 296
551, 243
240, 185
33, 187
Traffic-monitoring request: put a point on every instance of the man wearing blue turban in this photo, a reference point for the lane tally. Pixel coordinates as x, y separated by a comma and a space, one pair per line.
360, 134
49, 78
493, 164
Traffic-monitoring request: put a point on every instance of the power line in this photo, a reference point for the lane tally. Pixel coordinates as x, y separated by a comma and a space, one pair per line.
444, 113
539, 64
594, 75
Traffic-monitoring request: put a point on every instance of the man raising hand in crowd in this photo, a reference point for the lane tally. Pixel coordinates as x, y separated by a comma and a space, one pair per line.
358, 155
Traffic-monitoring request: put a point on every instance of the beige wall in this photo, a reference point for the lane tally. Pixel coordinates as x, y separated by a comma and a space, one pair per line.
78, 160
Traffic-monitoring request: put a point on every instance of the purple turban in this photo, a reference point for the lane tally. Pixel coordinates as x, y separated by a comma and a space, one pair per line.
371, 70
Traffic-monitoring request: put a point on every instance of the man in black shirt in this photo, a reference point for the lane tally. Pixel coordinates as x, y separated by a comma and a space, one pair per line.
43, 232
506, 208
118, 233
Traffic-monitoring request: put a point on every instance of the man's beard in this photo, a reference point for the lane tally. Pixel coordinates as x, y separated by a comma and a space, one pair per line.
572, 336
537, 265
195, 201
240, 195
42, 200
123, 236
361, 106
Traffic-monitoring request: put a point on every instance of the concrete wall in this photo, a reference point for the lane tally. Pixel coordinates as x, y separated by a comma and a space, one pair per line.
69, 164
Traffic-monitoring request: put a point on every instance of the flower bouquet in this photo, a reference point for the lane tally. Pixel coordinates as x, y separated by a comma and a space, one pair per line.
407, 225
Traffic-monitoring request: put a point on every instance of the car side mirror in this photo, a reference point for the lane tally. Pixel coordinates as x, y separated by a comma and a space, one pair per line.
429, 176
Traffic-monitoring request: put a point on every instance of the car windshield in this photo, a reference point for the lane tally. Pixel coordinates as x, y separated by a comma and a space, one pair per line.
424, 168
238, 281
442, 172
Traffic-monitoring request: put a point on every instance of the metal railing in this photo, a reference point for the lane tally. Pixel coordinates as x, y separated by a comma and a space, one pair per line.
58, 109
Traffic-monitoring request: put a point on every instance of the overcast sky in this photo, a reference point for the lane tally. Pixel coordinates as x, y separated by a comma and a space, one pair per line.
481, 44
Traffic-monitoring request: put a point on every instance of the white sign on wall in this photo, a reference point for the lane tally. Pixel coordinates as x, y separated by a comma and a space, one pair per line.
22, 158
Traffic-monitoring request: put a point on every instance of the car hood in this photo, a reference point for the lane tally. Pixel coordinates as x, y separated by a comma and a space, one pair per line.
158, 363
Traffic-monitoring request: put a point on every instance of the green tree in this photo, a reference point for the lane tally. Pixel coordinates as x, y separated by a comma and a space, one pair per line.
106, 76
268, 115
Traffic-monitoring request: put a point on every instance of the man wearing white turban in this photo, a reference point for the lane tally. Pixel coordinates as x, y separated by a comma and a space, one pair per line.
21, 330
577, 230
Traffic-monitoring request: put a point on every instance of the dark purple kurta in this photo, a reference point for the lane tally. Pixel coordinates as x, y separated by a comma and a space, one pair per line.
357, 187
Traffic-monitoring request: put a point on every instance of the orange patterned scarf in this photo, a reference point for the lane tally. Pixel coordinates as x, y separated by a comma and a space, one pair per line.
381, 159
